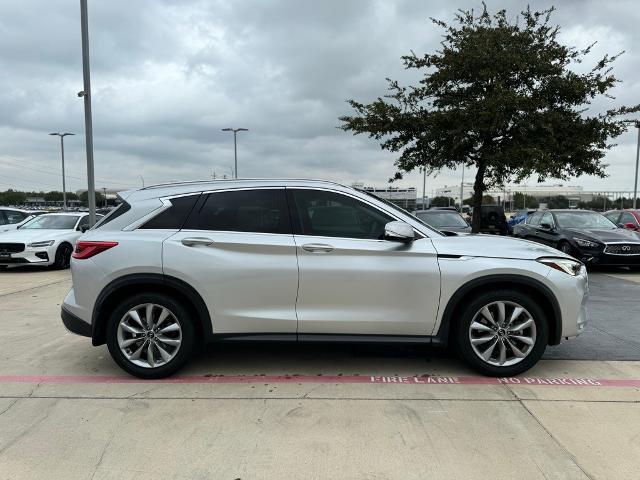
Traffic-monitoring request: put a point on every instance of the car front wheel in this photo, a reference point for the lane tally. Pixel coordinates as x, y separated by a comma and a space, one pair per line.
150, 335
502, 333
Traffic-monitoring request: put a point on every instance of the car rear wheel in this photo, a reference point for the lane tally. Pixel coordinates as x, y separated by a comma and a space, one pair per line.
63, 257
150, 335
502, 333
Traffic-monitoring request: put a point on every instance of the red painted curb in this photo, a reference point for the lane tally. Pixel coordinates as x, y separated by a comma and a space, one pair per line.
341, 379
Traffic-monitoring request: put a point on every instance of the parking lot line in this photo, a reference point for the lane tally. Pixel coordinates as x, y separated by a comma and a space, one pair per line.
324, 379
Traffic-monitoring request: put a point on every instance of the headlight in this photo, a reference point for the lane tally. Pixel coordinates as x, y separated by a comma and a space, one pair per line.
585, 243
572, 267
46, 243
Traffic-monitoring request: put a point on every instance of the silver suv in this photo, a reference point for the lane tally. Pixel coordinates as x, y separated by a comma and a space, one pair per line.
310, 261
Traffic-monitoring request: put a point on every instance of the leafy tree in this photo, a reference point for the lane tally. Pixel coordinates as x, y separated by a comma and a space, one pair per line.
12, 197
499, 96
559, 201
84, 198
441, 201
520, 200
53, 196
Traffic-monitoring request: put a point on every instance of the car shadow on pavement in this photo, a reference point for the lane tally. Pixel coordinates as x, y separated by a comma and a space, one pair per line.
321, 358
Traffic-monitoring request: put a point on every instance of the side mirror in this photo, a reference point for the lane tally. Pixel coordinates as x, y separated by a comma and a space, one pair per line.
546, 226
398, 232
84, 228
630, 225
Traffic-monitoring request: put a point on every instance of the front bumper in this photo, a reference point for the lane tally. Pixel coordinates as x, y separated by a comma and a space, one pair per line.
75, 324
610, 260
30, 256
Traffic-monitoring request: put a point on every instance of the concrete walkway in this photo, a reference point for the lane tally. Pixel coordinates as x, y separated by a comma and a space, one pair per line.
66, 411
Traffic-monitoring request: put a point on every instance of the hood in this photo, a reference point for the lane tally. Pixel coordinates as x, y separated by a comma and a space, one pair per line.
493, 246
606, 236
34, 235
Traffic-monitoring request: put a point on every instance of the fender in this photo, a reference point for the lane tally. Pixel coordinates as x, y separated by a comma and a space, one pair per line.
555, 323
151, 280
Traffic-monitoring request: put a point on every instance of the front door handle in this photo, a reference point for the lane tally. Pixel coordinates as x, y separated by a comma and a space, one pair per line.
317, 247
195, 241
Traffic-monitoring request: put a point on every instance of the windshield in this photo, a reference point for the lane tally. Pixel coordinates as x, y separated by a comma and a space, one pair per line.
584, 220
56, 222
438, 220
398, 209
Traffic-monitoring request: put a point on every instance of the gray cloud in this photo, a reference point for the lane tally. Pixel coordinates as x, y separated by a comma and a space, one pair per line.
168, 75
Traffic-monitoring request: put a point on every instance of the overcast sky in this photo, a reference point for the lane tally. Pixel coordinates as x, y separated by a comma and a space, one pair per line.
167, 76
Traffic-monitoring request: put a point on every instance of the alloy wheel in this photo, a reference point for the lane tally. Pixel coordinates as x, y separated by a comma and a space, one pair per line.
149, 335
502, 333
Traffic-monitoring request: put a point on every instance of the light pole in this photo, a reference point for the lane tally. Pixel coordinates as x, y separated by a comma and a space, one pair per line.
635, 184
88, 122
424, 186
462, 188
235, 146
64, 187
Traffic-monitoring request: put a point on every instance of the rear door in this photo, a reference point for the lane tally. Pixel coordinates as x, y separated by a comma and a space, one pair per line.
352, 281
236, 249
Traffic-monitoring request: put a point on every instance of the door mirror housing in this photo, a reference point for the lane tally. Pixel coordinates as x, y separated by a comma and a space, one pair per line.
84, 228
546, 227
630, 226
398, 232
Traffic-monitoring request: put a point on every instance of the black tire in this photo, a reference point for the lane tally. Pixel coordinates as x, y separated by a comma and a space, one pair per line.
181, 315
565, 247
462, 339
63, 256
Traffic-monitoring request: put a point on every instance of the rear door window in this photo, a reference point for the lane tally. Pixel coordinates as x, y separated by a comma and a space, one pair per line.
534, 220
13, 216
613, 216
257, 211
625, 218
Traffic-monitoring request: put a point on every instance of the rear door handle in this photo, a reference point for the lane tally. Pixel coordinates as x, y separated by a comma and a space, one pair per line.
317, 247
195, 241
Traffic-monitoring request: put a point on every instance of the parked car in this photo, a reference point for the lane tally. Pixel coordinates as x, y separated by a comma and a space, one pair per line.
309, 261
518, 217
45, 240
625, 218
493, 220
10, 218
444, 220
588, 236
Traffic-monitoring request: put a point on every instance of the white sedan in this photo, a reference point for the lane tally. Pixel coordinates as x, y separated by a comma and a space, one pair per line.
46, 240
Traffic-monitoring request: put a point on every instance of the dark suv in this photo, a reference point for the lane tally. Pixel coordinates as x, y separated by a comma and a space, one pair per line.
493, 220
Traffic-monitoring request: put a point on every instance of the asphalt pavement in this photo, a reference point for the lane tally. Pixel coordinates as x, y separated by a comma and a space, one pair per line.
314, 411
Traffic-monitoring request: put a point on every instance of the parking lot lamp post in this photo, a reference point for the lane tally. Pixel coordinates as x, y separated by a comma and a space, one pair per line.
635, 184
235, 147
85, 94
64, 187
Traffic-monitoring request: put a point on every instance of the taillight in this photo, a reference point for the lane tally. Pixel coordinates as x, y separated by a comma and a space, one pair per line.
86, 249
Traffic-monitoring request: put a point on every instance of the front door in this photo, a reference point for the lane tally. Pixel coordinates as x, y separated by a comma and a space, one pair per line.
236, 249
351, 280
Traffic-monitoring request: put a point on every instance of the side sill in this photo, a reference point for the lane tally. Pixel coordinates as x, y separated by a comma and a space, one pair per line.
327, 338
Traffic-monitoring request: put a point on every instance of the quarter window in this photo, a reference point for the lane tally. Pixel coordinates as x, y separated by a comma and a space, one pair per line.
173, 218
329, 214
260, 211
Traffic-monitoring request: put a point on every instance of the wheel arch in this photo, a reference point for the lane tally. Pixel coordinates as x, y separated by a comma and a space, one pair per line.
531, 286
127, 285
